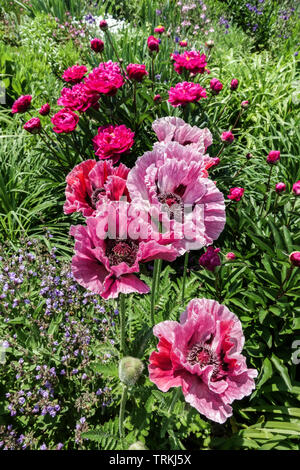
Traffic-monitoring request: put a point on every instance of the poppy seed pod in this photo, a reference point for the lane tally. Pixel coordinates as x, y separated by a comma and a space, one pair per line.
130, 369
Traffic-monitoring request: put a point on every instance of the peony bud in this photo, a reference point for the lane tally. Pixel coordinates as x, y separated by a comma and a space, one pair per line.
234, 84
103, 25
97, 45
249, 156
45, 109
227, 137
230, 256
296, 188
209, 44
157, 99
236, 194
137, 446
215, 86
280, 187
295, 258
21, 104
273, 156
33, 126
245, 104
183, 44
130, 369
153, 44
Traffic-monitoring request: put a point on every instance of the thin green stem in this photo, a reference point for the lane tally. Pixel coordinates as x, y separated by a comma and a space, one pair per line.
122, 323
292, 210
186, 260
122, 412
267, 191
173, 402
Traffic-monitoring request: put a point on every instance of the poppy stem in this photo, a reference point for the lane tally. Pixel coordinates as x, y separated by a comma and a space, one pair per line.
186, 260
122, 411
155, 280
122, 323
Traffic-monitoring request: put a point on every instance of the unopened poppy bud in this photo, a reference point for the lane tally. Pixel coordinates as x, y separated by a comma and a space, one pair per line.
130, 369
138, 446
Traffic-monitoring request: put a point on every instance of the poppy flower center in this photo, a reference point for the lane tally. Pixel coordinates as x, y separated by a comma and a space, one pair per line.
97, 193
203, 355
119, 251
172, 204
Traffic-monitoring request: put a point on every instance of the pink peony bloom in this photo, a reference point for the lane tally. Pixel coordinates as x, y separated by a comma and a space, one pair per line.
33, 126
107, 254
215, 86
21, 104
186, 92
183, 43
112, 141
296, 188
295, 258
91, 183
273, 156
202, 354
45, 109
192, 61
236, 194
280, 187
74, 74
136, 72
77, 98
170, 179
103, 25
153, 44
106, 79
210, 259
230, 256
159, 29
97, 45
64, 121
173, 129
227, 137
234, 84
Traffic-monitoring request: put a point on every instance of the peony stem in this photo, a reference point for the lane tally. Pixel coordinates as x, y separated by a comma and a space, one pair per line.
267, 191
122, 411
186, 260
122, 323
292, 210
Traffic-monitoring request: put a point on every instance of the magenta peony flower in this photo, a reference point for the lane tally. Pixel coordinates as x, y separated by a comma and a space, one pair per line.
230, 256
45, 109
21, 104
192, 61
33, 126
273, 156
97, 45
295, 258
64, 121
136, 72
280, 187
170, 179
236, 194
109, 249
215, 86
103, 25
210, 259
74, 74
91, 183
159, 29
186, 92
77, 98
202, 354
227, 137
106, 79
234, 84
183, 43
296, 188
112, 141
153, 44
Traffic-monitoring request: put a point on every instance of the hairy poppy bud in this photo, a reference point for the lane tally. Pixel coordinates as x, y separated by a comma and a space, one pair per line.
130, 369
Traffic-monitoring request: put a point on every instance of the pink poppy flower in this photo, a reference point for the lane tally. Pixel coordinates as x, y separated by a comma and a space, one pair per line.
202, 355
77, 98
136, 72
296, 188
186, 92
110, 248
74, 74
21, 104
210, 259
170, 179
106, 79
112, 141
91, 183
236, 194
64, 121
192, 61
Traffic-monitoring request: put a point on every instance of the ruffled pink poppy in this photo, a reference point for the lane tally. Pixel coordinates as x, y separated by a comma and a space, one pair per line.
91, 183
170, 179
106, 79
113, 141
109, 249
202, 354
77, 99
192, 61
